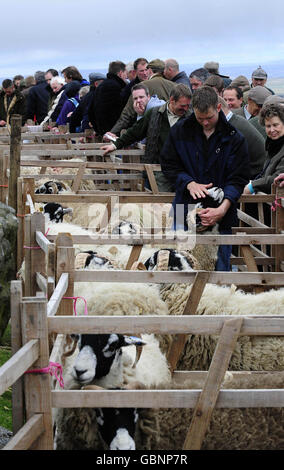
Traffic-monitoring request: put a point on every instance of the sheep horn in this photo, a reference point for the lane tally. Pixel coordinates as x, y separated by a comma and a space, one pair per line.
135, 386
92, 387
163, 260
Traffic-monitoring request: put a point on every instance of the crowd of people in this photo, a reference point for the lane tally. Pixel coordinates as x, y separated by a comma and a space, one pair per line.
204, 129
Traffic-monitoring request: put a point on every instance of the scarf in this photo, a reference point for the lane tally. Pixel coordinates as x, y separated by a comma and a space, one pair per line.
8, 110
273, 146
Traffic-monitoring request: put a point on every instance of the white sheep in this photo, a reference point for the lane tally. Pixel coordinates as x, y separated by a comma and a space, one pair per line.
109, 361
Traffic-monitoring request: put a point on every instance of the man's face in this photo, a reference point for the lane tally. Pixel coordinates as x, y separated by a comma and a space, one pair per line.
9, 91
179, 107
258, 81
195, 83
230, 96
209, 119
142, 71
253, 108
48, 77
140, 101
168, 72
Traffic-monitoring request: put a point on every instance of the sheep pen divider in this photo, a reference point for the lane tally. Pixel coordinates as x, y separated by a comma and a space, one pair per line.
39, 320
64, 270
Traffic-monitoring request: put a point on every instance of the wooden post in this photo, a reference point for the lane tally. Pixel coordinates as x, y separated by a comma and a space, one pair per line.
16, 342
208, 397
65, 263
190, 308
37, 385
4, 180
37, 255
15, 158
279, 249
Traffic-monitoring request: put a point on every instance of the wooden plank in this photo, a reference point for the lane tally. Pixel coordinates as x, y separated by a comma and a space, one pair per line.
65, 261
178, 343
208, 397
188, 324
279, 250
170, 237
16, 342
78, 178
37, 386
269, 398
152, 179
57, 295
27, 435
15, 156
254, 379
134, 255
43, 242
37, 255
249, 258
15, 367
159, 277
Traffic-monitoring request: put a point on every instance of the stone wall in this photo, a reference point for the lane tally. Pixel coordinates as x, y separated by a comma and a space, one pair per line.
8, 261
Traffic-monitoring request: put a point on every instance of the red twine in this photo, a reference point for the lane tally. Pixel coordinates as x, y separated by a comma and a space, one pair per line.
4, 186
75, 303
53, 369
276, 204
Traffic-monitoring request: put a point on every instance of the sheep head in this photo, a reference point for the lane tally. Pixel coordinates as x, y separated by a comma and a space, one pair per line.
97, 353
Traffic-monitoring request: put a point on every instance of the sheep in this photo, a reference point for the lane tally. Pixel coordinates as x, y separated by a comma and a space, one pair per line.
107, 361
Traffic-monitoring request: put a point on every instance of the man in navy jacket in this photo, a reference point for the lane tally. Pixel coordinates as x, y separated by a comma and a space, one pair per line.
202, 151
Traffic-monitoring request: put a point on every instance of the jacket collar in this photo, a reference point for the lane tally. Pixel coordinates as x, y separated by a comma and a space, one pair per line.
223, 125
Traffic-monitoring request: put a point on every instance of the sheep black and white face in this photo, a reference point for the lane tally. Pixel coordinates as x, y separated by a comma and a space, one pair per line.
117, 427
124, 228
95, 261
97, 353
50, 187
177, 261
213, 199
55, 212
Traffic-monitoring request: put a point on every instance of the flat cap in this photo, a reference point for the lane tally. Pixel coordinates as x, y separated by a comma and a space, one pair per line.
212, 67
157, 64
258, 94
241, 80
94, 76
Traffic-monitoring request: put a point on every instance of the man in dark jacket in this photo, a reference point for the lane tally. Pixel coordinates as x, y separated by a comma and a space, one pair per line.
108, 101
80, 117
172, 72
155, 126
203, 151
12, 101
37, 99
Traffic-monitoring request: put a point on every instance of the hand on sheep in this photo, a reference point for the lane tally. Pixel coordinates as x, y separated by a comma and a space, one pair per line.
109, 136
198, 190
210, 216
108, 148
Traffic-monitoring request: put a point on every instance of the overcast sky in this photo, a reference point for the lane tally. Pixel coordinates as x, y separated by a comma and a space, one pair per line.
91, 33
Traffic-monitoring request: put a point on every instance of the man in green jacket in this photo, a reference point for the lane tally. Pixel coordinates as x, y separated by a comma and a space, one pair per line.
155, 126
157, 85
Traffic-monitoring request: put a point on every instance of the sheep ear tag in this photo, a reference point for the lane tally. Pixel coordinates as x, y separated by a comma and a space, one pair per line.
133, 340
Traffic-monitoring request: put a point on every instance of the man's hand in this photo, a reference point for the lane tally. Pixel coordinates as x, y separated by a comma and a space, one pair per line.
3, 123
139, 108
210, 216
246, 190
198, 190
108, 148
279, 180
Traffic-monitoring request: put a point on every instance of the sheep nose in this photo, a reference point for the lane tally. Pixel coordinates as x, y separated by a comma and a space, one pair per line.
80, 372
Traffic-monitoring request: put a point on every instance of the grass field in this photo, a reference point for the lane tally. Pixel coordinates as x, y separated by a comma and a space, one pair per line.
6, 398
